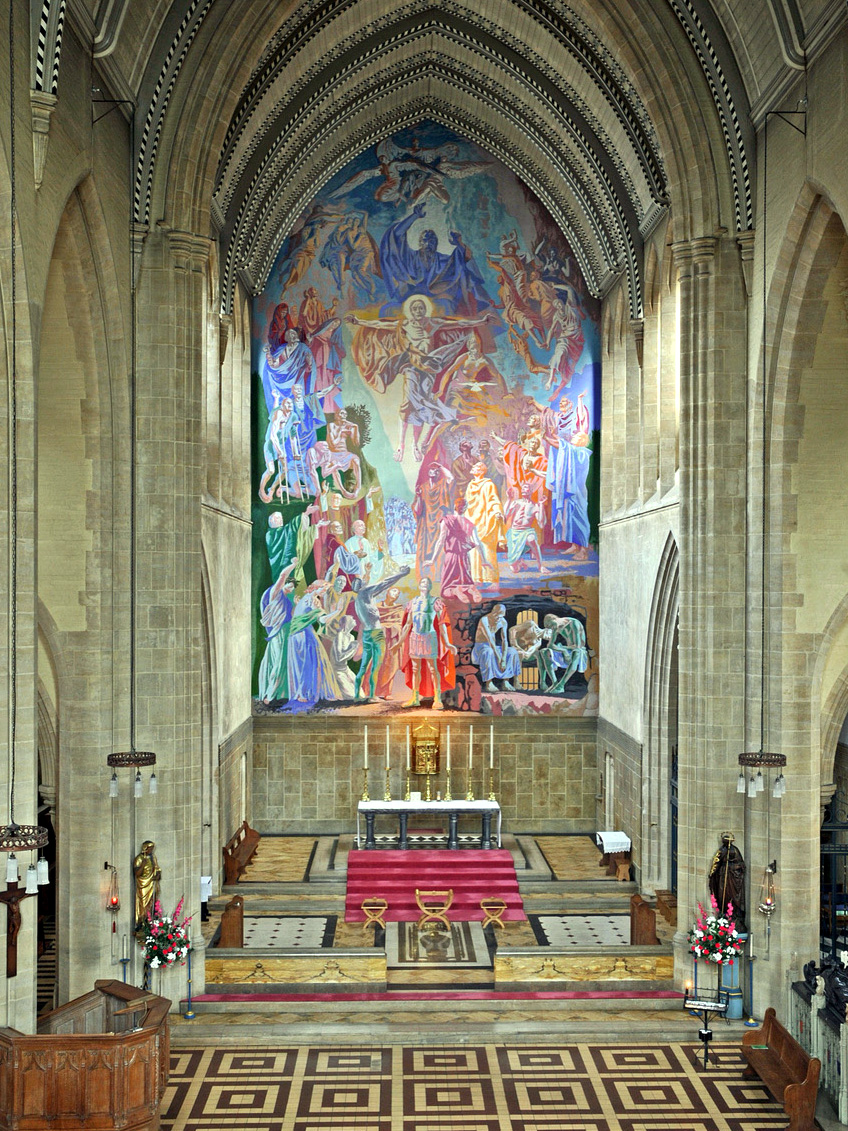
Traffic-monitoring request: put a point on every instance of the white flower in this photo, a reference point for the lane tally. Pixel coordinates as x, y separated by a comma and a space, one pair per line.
154, 962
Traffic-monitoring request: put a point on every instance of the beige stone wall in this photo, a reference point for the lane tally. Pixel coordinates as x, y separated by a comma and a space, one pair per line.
307, 772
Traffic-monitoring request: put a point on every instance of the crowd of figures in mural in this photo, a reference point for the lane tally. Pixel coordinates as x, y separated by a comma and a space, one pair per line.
427, 385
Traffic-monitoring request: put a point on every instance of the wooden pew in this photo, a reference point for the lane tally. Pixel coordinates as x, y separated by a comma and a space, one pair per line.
643, 923
238, 852
789, 1073
232, 923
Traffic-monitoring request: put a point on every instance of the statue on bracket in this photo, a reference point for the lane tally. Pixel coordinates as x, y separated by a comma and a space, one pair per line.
147, 876
727, 880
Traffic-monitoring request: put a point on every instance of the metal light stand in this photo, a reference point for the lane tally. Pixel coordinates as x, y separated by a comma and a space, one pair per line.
365, 796
387, 794
406, 795
469, 793
708, 1009
492, 785
124, 963
189, 1013
448, 795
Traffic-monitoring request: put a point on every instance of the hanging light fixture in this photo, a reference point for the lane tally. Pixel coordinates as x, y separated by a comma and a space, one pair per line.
14, 837
768, 904
132, 758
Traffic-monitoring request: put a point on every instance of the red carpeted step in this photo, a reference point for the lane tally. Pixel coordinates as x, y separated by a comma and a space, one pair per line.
393, 875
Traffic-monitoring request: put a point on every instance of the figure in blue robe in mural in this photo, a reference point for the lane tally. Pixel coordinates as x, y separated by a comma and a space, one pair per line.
566, 479
454, 281
276, 613
310, 674
289, 365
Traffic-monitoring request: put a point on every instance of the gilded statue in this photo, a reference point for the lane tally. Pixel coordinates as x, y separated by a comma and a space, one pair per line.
147, 877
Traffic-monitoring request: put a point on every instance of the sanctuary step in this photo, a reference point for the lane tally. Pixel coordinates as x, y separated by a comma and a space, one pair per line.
393, 875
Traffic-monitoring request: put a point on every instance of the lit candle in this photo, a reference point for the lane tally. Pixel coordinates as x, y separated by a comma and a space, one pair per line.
408, 762
387, 746
470, 743
124, 947
448, 749
491, 746
365, 760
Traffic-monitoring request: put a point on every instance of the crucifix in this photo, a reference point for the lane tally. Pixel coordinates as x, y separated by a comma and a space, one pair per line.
12, 897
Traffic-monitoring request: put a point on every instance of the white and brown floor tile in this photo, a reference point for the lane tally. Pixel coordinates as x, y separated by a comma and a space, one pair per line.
466, 1088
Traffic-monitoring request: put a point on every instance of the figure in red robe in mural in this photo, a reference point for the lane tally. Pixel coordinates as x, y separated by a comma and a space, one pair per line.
458, 537
427, 651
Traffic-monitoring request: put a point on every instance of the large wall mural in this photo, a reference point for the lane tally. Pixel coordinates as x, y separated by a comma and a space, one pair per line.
426, 439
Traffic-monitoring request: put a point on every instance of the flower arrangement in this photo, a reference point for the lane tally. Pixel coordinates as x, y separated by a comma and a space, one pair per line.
166, 938
714, 937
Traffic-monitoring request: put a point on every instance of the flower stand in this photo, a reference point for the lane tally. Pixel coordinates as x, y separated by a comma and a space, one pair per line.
730, 991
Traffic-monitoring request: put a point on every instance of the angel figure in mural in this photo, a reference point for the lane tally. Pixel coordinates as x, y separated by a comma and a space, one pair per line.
426, 647
383, 347
411, 172
566, 332
277, 451
453, 280
350, 253
303, 243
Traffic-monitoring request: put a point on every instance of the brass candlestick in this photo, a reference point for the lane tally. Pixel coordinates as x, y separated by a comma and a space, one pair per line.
469, 793
406, 795
387, 796
365, 796
428, 769
492, 785
448, 786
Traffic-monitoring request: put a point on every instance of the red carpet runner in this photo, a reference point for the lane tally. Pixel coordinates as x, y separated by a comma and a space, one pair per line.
393, 875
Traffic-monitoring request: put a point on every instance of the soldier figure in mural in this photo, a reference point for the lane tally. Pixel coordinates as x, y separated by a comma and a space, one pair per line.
727, 880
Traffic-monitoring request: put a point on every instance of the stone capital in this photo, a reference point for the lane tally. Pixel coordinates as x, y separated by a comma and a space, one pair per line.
42, 105
696, 252
190, 252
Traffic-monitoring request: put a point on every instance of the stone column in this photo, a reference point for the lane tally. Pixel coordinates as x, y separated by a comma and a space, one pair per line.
170, 365
712, 320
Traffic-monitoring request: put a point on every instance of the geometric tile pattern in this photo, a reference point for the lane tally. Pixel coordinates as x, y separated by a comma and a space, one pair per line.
466, 1088
584, 930
288, 930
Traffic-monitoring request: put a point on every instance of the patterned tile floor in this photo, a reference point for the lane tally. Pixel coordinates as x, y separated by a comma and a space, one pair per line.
288, 930
584, 930
465, 1088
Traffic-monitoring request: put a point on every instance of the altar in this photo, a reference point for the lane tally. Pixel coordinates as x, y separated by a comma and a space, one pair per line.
452, 809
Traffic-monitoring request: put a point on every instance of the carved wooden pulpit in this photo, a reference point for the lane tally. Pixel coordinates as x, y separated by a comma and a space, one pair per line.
101, 1061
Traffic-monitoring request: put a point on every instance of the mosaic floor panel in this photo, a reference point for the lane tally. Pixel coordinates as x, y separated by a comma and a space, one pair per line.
461, 1088
583, 930
463, 945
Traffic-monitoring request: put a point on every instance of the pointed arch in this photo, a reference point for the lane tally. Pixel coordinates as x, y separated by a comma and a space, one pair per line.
659, 714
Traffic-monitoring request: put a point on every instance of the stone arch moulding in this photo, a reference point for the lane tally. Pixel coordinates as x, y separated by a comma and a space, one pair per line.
655, 764
813, 240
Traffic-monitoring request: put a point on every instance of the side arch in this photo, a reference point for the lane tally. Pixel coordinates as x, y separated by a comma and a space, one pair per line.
660, 720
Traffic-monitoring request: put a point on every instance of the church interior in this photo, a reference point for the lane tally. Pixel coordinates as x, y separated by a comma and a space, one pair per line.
420, 597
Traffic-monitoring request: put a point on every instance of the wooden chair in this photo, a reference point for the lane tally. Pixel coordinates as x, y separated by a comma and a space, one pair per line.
374, 909
493, 910
435, 905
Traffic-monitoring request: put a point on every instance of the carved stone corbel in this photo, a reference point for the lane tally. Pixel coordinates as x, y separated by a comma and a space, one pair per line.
42, 105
